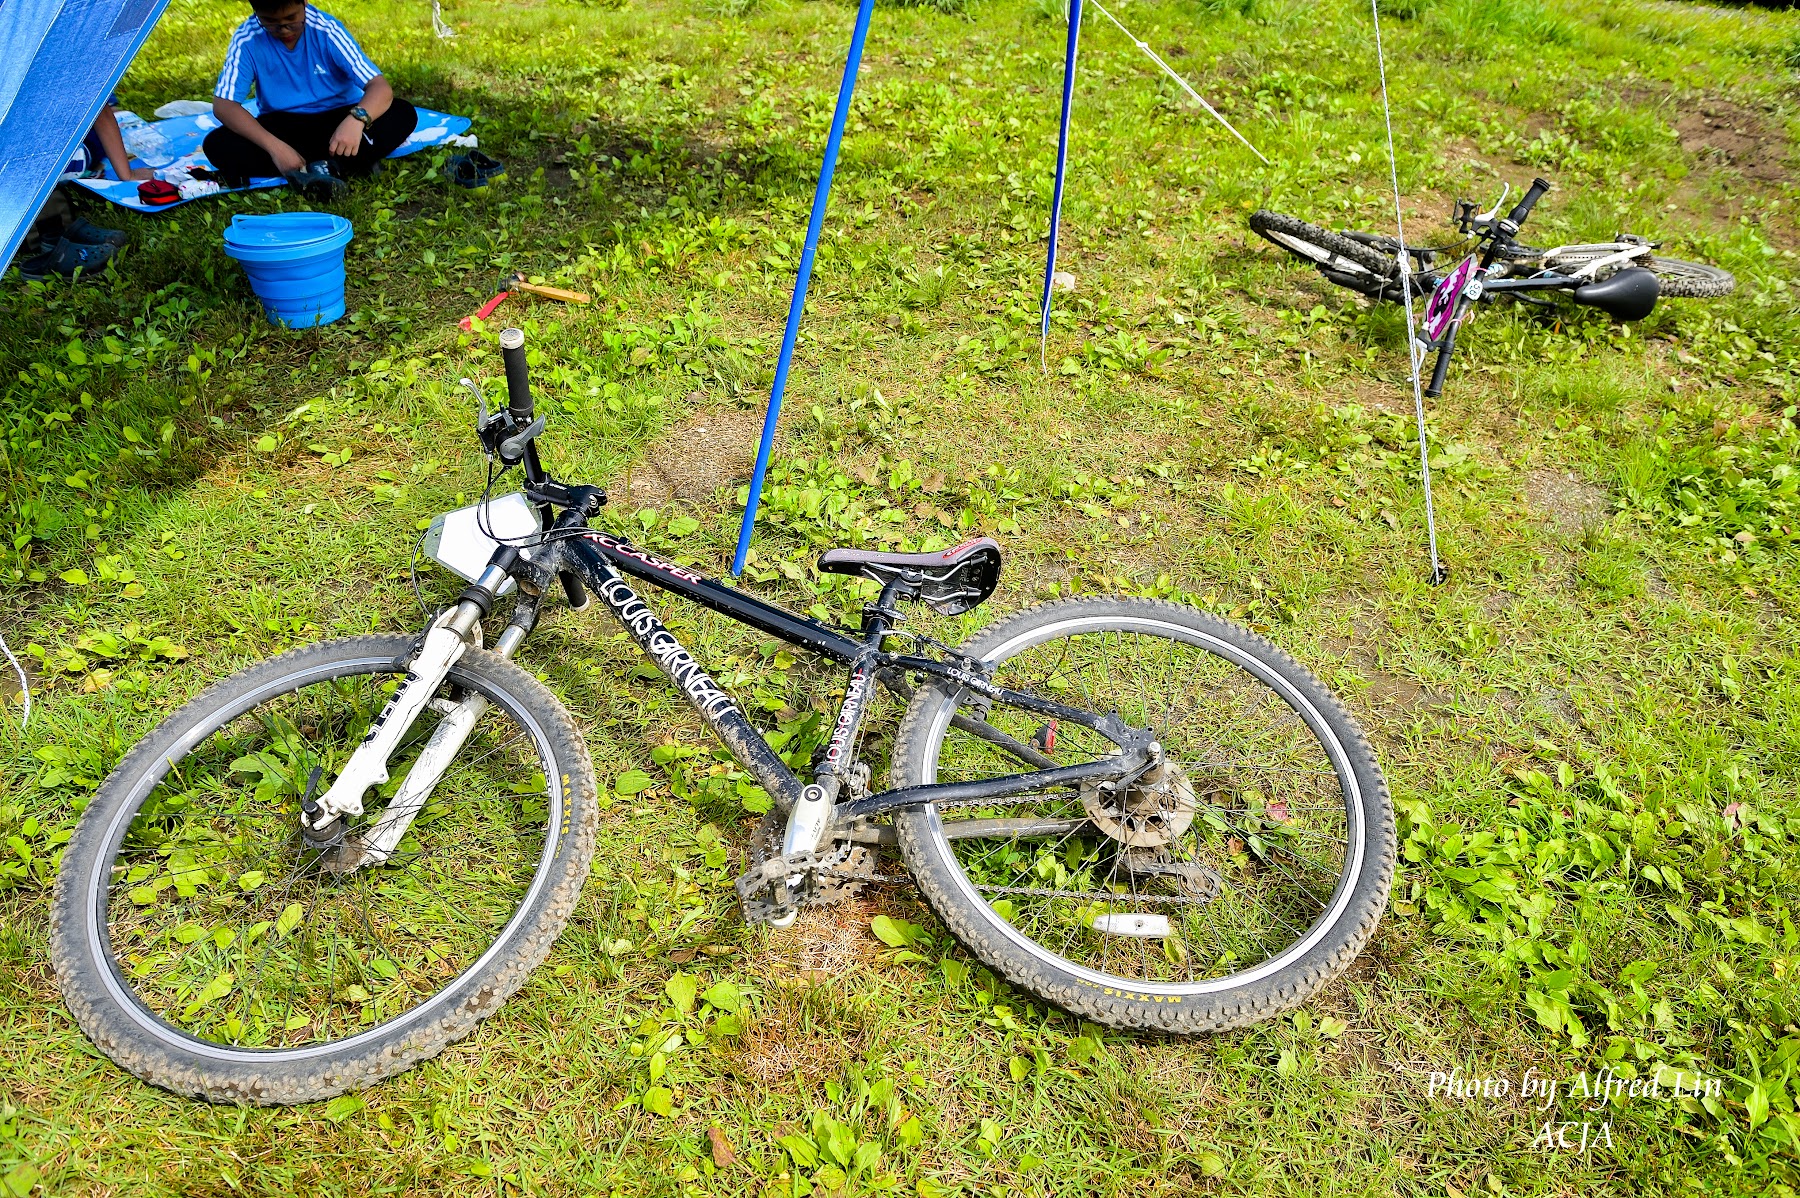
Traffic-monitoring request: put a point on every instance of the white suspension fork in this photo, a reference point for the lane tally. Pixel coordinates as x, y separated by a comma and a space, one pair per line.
447, 740
368, 766
445, 643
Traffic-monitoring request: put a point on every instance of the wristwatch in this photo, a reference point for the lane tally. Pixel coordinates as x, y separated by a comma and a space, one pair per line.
362, 114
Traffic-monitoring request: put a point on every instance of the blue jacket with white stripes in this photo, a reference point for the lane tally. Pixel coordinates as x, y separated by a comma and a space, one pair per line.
326, 69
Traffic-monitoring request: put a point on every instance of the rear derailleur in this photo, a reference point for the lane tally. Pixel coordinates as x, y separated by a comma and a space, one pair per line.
1192, 880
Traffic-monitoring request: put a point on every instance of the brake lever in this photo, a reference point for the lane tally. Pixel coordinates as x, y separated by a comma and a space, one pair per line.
488, 425
481, 413
1488, 216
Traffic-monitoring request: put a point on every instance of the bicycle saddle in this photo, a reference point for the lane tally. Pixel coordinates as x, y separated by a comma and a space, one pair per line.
949, 582
1628, 295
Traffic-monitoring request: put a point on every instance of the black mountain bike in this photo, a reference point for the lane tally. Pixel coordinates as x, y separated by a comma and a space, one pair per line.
1623, 278
332, 864
1368, 262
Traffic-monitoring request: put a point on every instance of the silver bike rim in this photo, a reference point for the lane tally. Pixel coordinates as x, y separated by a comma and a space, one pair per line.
1298, 701
1319, 254
94, 908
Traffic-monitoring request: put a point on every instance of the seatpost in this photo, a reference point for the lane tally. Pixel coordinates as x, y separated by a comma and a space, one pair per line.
884, 613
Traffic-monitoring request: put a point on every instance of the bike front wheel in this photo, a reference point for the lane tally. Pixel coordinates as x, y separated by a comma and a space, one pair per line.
207, 947
1222, 887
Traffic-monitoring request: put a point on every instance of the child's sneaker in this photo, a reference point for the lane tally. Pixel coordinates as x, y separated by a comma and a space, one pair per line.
317, 182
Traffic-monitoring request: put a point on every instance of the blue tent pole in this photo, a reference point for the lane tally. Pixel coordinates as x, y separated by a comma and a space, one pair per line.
804, 277
1062, 162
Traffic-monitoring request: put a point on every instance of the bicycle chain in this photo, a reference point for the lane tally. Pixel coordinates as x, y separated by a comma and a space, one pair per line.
849, 867
1095, 895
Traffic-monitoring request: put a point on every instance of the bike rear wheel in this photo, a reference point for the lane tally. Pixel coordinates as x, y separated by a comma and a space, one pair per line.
1677, 278
1691, 280
206, 947
1222, 889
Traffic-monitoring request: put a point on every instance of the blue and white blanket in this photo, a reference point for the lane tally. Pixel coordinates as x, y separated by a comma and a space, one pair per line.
184, 135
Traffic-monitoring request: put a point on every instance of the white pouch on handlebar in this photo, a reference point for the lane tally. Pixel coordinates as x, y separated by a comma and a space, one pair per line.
463, 541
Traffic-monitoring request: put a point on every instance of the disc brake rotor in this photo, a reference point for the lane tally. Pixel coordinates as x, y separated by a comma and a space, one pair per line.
1154, 811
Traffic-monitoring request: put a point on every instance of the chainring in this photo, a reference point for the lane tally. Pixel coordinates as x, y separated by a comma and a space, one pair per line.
838, 873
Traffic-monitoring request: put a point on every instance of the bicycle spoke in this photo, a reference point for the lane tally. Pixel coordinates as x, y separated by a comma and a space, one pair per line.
1249, 773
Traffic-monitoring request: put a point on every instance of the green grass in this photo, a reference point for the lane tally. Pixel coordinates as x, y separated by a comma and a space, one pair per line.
1590, 731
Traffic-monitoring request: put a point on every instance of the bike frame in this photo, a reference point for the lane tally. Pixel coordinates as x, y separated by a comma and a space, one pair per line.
603, 561
588, 560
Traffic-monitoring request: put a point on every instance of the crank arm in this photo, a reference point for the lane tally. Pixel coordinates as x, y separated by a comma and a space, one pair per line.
368, 766
446, 741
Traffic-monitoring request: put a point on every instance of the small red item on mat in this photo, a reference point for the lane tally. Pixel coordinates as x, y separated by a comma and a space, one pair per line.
155, 191
486, 310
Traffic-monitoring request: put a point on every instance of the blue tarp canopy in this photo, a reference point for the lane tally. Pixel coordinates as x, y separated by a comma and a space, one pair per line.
59, 61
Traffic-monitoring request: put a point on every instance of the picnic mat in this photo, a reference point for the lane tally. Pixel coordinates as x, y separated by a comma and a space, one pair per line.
186, 133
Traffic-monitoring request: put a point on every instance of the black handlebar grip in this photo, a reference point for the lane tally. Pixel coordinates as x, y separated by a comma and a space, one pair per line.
1437, 373
518, 375
1442, 366
1525, 205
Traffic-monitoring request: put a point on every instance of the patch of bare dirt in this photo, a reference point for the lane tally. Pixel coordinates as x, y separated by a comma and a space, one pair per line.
810, 1030
9, 680
713, 449
825, 942
1571, 505
1720, 133
1403, 694
1388, 694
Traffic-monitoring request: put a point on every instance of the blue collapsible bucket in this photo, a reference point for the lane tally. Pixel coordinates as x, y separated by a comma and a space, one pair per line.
295, 261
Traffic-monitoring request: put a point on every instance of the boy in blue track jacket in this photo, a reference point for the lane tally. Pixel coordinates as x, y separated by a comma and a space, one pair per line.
327, 113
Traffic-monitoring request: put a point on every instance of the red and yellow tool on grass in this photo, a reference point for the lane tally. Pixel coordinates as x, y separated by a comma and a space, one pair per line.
517, 282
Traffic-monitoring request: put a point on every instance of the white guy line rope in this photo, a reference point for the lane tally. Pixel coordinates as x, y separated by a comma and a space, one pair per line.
438, 25
24, 682
1170, 72
1414, 350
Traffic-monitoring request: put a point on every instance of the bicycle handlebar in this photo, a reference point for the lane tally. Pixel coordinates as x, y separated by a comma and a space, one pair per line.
522, 446
518, 375
1523, 209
